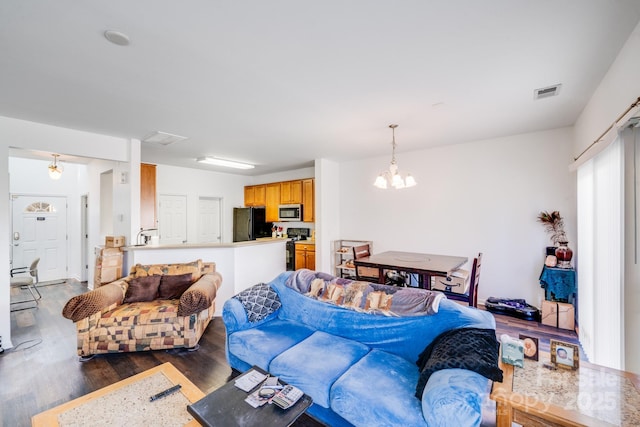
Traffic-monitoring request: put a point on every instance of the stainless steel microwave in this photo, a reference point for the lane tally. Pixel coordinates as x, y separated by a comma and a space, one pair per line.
290, 212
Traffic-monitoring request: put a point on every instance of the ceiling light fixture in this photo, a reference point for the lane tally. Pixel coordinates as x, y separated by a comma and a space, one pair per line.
226, 163
393, 176
55, 170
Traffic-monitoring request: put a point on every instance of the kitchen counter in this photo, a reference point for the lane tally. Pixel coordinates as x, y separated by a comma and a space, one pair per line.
305, 242
241, 264
260, 241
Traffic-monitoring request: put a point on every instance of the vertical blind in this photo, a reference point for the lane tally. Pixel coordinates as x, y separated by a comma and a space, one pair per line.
600, 256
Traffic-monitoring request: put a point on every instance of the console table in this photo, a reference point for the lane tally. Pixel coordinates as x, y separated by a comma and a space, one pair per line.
589, 396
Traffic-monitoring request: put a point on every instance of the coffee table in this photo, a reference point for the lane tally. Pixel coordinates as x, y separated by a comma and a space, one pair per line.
589, 396
226, 407
120, 402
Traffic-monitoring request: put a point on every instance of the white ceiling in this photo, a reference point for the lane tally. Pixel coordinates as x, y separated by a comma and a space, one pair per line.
280, 83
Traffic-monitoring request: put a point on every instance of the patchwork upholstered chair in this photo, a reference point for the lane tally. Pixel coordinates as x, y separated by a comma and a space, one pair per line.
155, 307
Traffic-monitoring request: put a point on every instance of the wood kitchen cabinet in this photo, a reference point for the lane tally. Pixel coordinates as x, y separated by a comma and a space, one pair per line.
305, 256
255, 195
307, 200
291, 192
272, 195
148, 210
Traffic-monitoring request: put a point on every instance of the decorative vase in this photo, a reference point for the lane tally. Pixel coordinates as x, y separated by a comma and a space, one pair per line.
564, 255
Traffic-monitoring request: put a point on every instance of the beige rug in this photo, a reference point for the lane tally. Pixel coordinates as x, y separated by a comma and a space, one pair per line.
130, 406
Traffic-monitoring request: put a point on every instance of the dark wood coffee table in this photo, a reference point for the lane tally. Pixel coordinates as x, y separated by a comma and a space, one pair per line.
226, 407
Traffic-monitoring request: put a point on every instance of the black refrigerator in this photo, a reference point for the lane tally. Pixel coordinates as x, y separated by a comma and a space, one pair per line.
250, 224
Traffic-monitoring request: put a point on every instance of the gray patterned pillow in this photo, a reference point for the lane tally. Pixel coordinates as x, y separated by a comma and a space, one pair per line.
259, 301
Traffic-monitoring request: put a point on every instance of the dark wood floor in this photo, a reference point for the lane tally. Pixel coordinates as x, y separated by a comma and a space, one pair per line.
42, 370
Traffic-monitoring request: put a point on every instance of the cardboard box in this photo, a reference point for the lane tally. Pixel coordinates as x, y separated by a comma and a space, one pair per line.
558, 314
114, 241
457, 283
106, 275
110, 261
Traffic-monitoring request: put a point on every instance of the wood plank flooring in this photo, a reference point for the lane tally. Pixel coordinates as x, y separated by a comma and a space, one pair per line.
42, 370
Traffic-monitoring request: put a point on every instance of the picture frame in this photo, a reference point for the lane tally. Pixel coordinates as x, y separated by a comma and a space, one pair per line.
530, 346
564, 355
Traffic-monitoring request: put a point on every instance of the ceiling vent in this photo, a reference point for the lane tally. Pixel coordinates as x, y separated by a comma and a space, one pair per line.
163, 138
546, 92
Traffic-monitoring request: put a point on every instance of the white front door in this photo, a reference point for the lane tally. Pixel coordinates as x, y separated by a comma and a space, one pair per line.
172, 219
40, 231
209, 214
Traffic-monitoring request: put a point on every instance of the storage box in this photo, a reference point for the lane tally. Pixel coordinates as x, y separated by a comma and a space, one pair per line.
114, 241
558, 314
457, 283
512, 351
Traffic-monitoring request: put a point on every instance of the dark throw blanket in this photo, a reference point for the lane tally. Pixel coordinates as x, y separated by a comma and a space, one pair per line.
467, 348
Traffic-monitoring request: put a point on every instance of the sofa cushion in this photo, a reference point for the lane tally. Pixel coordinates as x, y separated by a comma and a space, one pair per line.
172, 287
259, 345
314, 364
141, 313
142, 289
455, 397
378, 390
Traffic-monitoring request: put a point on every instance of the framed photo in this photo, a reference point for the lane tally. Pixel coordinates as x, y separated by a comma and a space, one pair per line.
564, 355
530, 346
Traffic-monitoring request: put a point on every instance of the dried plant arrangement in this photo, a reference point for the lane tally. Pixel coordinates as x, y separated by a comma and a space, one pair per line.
554, 225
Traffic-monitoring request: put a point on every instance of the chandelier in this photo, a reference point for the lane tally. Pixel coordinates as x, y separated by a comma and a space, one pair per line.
392, 176
55, 170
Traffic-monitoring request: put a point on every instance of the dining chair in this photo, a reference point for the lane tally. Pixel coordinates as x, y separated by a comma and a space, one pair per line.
26, 278
368, 274
471, 297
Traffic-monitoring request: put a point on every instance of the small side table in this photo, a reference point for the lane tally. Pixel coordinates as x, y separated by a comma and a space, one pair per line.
559, 283
589, 396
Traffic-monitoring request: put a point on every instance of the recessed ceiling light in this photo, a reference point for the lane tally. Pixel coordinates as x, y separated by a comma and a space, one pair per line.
116, 37
222, 162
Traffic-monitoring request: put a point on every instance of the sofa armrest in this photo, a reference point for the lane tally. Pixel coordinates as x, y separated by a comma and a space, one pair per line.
200, 295
84, 305
455, 397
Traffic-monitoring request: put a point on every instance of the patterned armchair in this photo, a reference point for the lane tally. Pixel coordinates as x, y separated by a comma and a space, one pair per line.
155, 307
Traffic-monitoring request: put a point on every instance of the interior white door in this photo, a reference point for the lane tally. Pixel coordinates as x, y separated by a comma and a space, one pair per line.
172, 225
209, 215
39, 229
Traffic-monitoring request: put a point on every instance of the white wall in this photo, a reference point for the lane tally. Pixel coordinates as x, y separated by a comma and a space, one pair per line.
477, 197
196, 183
619, 88
40, 137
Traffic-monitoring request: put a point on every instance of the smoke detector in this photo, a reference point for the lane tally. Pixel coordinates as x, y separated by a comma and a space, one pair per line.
547, 92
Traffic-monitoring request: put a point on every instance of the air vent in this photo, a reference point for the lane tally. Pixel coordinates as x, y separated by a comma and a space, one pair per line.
163, 138
546, 92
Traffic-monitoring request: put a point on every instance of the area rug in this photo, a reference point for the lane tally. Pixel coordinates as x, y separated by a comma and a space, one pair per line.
130, 406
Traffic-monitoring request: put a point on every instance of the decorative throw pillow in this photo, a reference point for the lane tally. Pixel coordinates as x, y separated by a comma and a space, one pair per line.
474, 349
142, 289
172, 287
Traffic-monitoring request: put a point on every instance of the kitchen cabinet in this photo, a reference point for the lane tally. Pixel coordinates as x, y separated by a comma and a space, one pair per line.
343, 257
255, 195
148, 210
308, 200
305, 256
272, 195
291, 192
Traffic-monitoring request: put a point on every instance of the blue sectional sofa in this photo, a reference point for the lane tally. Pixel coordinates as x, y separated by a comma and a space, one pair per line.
353, 347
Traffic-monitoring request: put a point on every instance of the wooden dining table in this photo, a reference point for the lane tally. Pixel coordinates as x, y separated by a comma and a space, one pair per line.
424, 265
